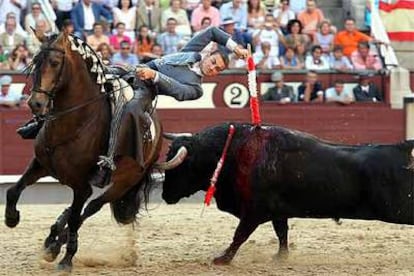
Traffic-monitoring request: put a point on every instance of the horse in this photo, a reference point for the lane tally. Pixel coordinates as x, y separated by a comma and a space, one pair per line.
68, 78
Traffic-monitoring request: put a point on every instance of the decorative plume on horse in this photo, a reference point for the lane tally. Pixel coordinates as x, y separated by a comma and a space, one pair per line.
76, 100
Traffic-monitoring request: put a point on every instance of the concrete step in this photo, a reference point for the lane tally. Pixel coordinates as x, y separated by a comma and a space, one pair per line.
329, 3
355, 9
335, 15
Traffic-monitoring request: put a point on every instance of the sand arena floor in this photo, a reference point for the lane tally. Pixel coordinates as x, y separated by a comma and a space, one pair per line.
175, 240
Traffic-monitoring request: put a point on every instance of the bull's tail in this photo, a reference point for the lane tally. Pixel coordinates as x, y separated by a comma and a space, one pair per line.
126, 209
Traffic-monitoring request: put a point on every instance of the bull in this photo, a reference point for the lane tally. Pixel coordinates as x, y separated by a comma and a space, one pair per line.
273, 174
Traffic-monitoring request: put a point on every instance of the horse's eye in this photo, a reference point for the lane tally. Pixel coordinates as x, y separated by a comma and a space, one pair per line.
54, 63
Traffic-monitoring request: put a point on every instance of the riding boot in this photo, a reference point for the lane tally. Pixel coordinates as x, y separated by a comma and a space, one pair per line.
100, 178
30, 129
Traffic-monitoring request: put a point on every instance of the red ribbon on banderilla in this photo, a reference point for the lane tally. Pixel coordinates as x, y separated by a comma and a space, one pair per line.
211, 190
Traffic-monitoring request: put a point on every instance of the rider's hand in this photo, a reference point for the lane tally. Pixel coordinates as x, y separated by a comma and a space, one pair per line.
145, 73
241, 52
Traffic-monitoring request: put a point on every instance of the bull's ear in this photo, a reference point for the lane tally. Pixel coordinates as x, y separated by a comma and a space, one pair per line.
39, 35
172, 136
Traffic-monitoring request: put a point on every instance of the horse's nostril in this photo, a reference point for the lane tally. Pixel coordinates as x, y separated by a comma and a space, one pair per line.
38, 105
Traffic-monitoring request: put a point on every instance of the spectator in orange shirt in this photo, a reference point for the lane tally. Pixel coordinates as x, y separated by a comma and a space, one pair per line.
364, 59
311, 18
350, 37
143, 42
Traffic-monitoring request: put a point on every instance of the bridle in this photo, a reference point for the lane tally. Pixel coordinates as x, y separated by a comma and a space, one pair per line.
52, 93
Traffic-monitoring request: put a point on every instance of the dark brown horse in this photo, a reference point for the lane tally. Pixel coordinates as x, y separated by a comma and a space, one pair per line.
67, 91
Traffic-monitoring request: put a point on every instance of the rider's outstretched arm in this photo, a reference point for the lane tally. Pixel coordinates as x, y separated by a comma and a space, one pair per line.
180, 91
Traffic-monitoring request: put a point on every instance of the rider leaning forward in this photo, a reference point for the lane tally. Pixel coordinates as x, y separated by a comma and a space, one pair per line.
178, 75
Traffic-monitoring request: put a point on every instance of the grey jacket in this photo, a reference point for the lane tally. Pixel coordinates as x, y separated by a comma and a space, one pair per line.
175, 78
272, 94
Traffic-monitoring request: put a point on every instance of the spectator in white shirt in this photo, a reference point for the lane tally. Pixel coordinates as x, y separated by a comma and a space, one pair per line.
15, 6
35, 15
264, 59
7, 97
19, 29
269, 32
85, 14
339, 94
283, 14
238, 10
316, 61
10, 38
126, 13
62, 9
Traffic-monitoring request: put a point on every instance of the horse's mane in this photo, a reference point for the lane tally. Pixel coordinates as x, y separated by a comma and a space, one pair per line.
92, 59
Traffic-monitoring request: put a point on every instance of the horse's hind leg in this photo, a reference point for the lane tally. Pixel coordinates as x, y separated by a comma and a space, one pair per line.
51, 245
74, 222
33, 172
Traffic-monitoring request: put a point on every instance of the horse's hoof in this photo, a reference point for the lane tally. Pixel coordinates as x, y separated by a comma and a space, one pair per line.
50, 254
222, 260
12, 218
64, 267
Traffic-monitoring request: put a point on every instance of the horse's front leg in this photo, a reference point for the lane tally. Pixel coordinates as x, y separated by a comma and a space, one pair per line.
33, 172
51, 245
74, 222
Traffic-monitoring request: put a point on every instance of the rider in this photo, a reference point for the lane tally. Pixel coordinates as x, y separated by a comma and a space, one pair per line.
178, 75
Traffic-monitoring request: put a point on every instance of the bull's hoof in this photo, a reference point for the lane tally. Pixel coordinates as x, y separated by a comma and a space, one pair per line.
12, 218
50, 254
66, 267
222, 260
282, 255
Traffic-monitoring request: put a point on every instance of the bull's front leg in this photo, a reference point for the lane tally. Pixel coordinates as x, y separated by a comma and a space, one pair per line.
33, 172
245, 228
281, 228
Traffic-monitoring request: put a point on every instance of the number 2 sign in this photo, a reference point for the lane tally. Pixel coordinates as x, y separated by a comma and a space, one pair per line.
236, 95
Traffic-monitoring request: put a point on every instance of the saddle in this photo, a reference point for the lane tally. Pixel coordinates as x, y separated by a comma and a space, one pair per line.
131, 108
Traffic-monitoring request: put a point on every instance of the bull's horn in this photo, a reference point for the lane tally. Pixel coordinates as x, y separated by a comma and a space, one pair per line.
174, 162
172, 136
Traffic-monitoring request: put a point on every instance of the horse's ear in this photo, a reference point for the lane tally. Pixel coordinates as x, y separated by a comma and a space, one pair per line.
65, 32
39, 35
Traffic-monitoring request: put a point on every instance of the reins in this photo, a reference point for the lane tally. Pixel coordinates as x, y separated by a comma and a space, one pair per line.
54, 116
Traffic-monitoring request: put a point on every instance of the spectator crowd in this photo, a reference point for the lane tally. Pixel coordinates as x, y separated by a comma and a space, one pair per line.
284, 34
312, 90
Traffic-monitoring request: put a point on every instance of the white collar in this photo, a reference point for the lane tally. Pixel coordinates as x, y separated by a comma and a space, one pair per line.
196, 66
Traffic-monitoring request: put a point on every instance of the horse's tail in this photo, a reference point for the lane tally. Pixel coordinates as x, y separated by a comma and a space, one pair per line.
126, 208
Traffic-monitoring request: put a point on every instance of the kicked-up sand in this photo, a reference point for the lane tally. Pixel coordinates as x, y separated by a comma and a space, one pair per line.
175, 240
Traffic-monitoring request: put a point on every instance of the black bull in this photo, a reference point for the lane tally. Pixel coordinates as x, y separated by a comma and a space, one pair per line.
273, 173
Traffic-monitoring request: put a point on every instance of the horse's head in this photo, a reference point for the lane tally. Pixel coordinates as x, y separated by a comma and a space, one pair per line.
62, 61
47, 70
